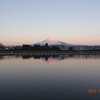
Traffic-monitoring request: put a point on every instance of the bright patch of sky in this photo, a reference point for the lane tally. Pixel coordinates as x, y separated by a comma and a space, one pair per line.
30, 21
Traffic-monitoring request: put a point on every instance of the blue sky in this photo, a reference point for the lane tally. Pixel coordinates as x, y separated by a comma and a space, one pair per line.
30, 21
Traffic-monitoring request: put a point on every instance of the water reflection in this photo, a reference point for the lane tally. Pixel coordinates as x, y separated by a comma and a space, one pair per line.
27, 77
50, 59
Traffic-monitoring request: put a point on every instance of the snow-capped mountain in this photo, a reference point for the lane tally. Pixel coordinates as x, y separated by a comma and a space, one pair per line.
56, 42
65, 46
52, 41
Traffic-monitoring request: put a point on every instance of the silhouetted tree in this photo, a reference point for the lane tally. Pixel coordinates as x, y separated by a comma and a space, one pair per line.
71, 48
2, 47
26, 47
46, 45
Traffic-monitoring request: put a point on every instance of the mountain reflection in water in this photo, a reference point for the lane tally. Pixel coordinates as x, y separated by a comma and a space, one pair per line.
50, 59
32, 77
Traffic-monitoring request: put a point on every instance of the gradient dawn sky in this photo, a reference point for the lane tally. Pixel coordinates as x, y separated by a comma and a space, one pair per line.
30, 21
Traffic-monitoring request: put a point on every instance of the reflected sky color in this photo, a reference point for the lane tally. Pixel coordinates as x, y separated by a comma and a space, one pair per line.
30, 21
31, 78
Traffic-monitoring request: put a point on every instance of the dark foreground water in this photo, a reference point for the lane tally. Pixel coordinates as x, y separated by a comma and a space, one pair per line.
49, 78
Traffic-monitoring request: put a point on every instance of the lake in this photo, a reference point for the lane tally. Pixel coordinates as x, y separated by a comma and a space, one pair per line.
63, 77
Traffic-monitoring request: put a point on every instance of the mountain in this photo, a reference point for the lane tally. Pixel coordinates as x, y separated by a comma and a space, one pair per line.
65, 46
53, 41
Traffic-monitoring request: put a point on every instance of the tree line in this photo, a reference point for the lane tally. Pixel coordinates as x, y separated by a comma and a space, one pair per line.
45, 47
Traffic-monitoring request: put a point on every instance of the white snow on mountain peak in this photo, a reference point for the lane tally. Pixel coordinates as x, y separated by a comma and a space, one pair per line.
52, 41
63, 45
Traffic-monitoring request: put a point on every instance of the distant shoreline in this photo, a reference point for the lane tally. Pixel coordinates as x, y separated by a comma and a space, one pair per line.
76, 52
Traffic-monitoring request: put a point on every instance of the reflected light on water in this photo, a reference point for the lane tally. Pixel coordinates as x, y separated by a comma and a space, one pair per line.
62, 77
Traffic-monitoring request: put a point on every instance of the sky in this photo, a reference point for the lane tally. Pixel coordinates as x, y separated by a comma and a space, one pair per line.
31, 21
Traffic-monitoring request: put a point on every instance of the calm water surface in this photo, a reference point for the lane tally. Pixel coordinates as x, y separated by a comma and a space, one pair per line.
49, 78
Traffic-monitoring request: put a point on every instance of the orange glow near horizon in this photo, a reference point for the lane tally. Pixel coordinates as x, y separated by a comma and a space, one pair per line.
30, 22
52, 39
10, 43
